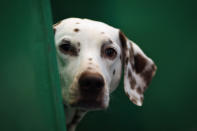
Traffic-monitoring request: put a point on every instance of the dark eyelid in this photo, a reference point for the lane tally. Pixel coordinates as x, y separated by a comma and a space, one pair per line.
72, 50
109, 45
66, 41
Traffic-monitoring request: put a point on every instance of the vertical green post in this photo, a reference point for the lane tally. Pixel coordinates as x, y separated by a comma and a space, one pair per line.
30, 98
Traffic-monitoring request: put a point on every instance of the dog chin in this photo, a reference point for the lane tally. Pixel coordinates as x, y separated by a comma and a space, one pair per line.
89, 105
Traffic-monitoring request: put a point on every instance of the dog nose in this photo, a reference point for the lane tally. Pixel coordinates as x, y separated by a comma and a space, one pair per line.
91, 82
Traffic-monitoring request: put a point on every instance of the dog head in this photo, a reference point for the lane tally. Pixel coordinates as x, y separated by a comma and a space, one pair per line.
90, 58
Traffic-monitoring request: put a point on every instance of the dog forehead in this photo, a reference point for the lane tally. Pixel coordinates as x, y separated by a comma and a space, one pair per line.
85, 28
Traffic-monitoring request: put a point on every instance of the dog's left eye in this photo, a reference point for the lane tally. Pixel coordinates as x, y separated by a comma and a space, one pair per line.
110, 53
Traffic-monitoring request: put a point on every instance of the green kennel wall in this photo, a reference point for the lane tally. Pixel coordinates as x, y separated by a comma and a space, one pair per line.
167, 31
29, 85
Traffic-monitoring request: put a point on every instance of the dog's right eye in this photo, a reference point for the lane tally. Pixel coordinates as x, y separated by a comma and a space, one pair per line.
67, 48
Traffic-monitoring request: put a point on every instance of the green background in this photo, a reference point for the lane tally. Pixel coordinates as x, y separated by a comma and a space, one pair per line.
166, 30
30, 99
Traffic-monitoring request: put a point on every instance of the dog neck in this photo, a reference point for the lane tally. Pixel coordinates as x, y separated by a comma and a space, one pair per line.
73, 117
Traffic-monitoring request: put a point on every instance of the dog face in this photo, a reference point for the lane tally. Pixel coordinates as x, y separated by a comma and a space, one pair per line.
90, 58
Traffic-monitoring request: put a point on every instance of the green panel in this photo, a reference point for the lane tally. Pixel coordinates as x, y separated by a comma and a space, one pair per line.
167, 31
29, 83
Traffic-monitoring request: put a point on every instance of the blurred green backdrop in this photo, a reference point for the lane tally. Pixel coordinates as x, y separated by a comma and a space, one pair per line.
166, 30
30, 97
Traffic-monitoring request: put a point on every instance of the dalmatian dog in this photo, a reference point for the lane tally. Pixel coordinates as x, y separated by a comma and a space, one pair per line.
91, 57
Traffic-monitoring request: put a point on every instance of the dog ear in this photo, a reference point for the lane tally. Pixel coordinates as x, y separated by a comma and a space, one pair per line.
55, 25
138, 70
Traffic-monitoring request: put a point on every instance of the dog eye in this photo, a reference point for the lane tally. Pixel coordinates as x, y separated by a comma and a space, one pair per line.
67, 48
110, 53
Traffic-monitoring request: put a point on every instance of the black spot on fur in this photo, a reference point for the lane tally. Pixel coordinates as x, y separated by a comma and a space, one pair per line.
131, 52
114, 72
139, 63
129, 74
76, 30
124, 48
123, 40
148, 74
127, 60
132, 82
139, 90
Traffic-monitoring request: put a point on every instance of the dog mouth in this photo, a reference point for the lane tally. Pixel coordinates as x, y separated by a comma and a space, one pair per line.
90, 101
88, 105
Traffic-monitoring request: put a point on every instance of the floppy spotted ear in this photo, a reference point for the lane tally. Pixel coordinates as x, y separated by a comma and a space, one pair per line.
138, 70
